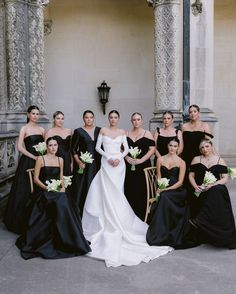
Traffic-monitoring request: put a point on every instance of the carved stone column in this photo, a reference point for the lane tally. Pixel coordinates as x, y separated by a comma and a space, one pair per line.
3, 75
168, 58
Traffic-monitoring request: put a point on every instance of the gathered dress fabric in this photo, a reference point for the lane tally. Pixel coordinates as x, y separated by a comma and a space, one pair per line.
135, 182
54, 227
82, 142
19, 197
191, 140
213, 214
116, 234
169, 216
64, 152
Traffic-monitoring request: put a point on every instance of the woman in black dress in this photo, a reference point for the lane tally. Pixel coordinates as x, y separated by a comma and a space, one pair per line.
63, 136
163, 135
30, 135
84, 139
135, 184
193, 132
213, 220
169, 215
54, 227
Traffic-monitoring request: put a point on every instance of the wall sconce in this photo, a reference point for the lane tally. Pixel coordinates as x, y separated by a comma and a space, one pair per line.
103, 93
196, 7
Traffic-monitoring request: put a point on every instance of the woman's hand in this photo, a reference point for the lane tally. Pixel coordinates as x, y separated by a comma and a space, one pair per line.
63, 189
81, 164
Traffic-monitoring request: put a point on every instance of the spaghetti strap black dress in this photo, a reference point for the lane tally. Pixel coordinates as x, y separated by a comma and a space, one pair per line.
135, 183
19, 197
54, 227
162, 142
64, 152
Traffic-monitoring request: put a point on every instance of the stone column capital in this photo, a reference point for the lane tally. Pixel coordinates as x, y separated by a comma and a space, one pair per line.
156, 3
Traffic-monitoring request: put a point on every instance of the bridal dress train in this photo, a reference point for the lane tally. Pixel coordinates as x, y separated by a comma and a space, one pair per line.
116, 234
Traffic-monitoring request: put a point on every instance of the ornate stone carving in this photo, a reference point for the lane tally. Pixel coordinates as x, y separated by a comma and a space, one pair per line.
47, 27
16, 28
36, 53
3, 81
8, 156
155, 3
167, 55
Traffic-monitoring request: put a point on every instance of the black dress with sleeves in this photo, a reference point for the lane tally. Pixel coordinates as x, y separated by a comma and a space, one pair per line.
20, 190
82, 142
213, 212
135, 183
54, 227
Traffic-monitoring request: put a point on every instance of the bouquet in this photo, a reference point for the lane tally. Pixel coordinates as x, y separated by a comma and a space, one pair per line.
85, 158
209, 179
162, 184
67, 181
53, 185
41, 147
134, 152
232, 172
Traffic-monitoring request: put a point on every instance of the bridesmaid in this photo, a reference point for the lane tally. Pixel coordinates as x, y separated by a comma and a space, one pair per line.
135, 184
30, 134
163, 135
63, 136
169, 215
84, 139
213, 219
193, 132
54, 227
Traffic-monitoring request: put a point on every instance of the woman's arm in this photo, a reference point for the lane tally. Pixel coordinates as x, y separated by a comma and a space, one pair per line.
20, 144
61, 162
181, 143
155, 139
37, 168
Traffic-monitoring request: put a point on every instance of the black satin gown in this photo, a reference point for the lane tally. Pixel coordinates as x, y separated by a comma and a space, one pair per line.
135, 183
162, 142
54, 227
191, 140
169, 216
213, 213
64, 152
20, 191
82, 142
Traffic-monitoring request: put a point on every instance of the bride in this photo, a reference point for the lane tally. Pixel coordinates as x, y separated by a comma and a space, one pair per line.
116, 234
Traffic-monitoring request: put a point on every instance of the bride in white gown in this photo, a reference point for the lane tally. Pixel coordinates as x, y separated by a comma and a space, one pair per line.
116, 234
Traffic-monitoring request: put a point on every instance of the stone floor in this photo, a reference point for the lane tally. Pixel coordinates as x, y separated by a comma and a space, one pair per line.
201, 270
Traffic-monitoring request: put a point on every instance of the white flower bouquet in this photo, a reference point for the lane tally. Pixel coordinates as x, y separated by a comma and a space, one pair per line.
134, 152
85, 158
53, 185
162, 184
41, 147
232, 172
67, 181
209, 179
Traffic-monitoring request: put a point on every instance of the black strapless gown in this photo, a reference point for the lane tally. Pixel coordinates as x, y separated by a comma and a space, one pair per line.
64, 152
213, 212
20, 190
82, 142
169, 215
135, 183
192, 141
54, 227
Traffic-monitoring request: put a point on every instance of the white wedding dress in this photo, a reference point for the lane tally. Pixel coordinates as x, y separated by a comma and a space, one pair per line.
116, 234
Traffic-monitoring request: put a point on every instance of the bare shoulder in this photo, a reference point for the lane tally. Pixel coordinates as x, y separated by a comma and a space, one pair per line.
185, 127
61, 160
122, 132
195, 160
149, 135
222, 161
103, 131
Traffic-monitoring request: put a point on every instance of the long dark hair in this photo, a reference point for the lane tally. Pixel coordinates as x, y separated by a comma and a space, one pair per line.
51, 138
113, 111
32, 107
88, 111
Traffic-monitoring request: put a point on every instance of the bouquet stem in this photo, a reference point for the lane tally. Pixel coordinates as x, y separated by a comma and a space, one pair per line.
81, 171
133, 168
